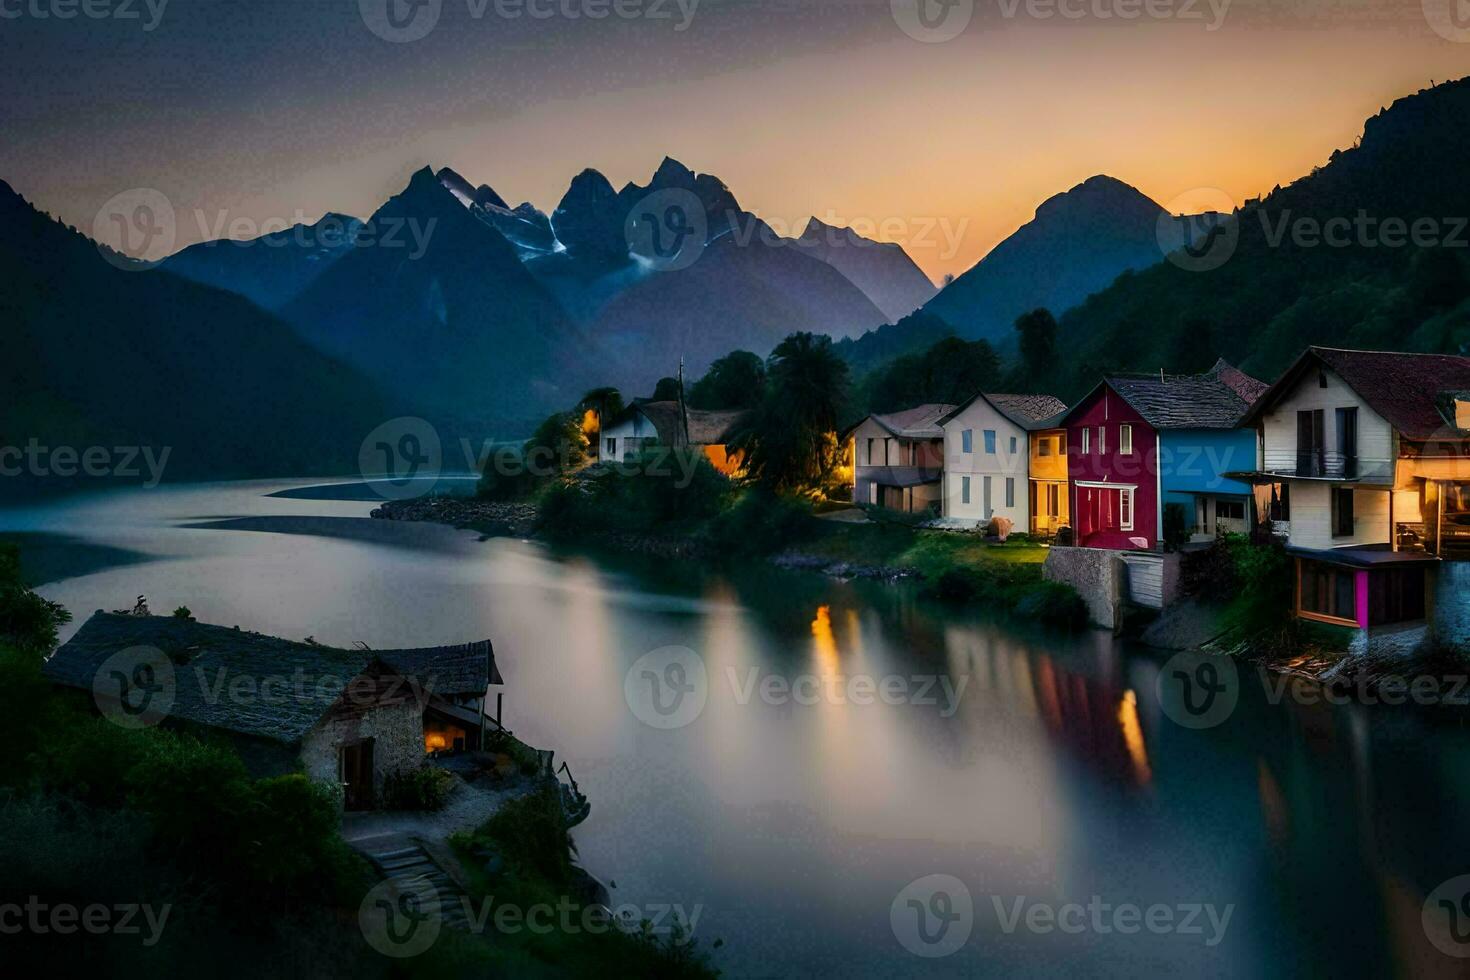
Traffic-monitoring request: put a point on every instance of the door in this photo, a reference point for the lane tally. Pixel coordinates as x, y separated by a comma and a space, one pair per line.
1311, 443
356, 764
1347, 441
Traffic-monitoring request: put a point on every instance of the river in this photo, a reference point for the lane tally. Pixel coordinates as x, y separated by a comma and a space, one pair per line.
848, 742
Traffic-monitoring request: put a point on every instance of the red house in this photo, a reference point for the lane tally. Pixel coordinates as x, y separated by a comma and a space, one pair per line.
1112, 454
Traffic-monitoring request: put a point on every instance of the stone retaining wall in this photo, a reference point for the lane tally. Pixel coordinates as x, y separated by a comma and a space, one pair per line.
1098, 575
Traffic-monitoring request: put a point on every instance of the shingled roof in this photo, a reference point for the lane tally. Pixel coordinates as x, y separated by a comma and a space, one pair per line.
207, 659
1410, 391
1030, 412
922, 422
1217, 399
706, 428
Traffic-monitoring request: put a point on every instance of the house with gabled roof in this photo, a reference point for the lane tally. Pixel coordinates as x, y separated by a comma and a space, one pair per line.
990, 445
1364, 469
1140, 443
673, 425
348, 718
898, 459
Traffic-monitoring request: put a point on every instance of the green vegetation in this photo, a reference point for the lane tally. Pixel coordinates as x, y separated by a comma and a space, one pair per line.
28, 623
1258, 578
790, 443
423, 789
521, 860
735, 381
949, 372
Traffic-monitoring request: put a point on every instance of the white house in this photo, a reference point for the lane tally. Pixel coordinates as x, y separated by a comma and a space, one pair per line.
1364, 468
987, 453
898, 459
647, 424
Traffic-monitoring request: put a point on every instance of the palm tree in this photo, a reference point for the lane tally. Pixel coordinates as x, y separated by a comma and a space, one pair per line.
788, 440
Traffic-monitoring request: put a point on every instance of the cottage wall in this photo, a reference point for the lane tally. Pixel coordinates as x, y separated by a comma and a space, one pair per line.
619, 441
1376, 452
388, 715
1311, 517
1095, 513
1006, 467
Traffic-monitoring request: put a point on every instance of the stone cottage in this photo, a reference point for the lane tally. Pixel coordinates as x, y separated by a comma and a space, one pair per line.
349, 718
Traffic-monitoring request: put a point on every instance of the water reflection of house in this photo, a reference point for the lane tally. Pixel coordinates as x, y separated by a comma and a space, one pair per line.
1364, 468
646, 425
346, 717
898, 459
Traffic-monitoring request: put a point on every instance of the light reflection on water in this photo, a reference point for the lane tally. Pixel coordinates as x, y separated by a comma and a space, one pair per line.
1050, 772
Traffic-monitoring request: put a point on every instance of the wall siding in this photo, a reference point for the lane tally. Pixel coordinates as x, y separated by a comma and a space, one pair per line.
1105, 408
1001, 465
1311, 516
1376, 452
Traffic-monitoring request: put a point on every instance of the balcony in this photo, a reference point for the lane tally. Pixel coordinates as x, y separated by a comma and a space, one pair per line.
1319, 464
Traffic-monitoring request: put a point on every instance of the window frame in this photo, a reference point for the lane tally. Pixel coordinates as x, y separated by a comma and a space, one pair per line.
1125, 439
965, 490
990, 441
1126, 505
967, 441
1086, 441
1340, 494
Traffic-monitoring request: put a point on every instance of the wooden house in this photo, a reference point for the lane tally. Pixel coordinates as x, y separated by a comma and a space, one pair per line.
988, 454
898, 460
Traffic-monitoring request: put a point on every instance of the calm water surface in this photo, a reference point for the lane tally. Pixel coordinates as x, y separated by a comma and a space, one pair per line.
1053, 776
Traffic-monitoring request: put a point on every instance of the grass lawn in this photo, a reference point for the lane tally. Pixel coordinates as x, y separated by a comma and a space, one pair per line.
932, 553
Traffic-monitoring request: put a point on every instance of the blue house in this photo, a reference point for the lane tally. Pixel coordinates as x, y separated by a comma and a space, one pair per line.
1196, 420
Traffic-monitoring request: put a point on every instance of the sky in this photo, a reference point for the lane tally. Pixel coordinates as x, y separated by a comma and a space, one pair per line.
940, 132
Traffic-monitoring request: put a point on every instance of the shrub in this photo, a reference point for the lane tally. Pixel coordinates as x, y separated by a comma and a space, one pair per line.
1176, 526
531, 832
425, 788
27, 621
761, 523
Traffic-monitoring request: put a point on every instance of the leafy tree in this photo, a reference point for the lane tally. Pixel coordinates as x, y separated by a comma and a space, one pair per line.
788, 440
606, 402
559, 442
667, 390
734, 381
950, 371
27, 621
1037, 332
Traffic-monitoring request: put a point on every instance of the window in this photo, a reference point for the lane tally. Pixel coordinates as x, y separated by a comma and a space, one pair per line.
1229, 510
964, 489
612, 447
967, 441
1086, 441
1043, 447
870, 452
1347, 441
1395, 595
1326, 590
1013, 445
1342, 512
1321, 379
1311, 443
990, 441
1125, 508
1125, 440
1102, 439
1010, 492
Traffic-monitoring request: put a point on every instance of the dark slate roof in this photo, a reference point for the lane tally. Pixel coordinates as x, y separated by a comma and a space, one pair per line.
915, 423
1367, 556
204, 656
1030, 412
1410, 391
1217, 399
706, 428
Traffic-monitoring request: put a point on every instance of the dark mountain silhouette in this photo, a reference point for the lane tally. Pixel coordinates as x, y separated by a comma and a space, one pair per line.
93, 355
1078, 243
1277, 285
524, 226
883, 271
273, 269
446, 315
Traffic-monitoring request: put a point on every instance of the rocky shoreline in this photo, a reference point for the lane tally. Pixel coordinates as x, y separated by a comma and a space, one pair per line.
488, 517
